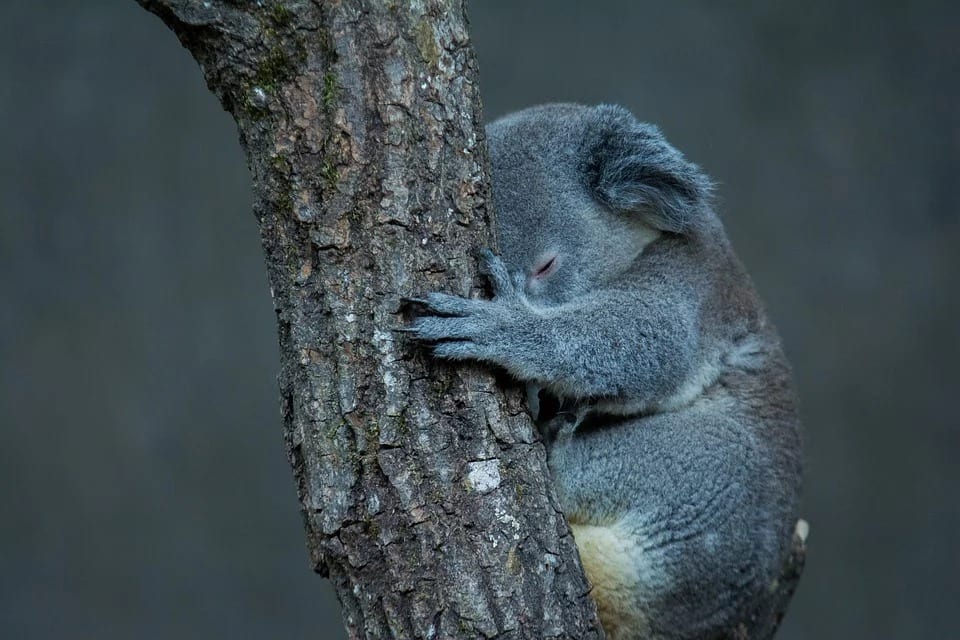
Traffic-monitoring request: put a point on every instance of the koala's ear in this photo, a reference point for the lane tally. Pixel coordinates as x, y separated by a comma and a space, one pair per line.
631, 168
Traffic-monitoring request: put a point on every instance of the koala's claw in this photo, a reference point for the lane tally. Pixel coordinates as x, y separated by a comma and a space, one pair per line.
408, 300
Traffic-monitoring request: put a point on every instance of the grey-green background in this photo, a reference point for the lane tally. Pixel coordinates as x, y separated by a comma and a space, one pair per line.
145, 492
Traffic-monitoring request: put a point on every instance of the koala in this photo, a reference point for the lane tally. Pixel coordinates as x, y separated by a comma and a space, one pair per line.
664, 398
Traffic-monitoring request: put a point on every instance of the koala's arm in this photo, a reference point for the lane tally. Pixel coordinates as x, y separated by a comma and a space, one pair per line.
635, 344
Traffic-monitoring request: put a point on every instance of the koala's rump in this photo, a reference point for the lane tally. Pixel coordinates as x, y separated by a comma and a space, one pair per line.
680, 536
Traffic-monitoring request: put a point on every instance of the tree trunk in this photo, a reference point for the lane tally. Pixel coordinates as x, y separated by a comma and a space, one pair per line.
424, 491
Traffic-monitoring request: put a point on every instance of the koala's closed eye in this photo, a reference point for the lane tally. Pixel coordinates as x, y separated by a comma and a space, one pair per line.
545, 267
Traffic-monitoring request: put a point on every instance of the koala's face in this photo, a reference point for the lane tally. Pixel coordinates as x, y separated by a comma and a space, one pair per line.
551, 227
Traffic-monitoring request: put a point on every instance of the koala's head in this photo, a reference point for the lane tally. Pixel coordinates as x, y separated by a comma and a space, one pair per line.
580, 191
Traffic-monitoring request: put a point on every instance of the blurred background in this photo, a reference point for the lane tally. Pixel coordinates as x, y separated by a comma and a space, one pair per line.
145, 490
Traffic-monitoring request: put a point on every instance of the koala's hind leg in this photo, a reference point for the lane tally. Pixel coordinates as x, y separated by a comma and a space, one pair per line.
613, 564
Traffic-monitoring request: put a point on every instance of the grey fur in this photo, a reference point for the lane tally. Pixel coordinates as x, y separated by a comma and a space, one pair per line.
679, 422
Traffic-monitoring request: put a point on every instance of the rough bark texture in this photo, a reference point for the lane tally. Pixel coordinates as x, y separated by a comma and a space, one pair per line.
424, 490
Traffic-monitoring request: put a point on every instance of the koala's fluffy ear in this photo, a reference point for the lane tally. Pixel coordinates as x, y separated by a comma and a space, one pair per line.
633, 169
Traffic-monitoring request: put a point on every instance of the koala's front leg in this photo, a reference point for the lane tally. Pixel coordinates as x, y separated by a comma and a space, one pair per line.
635, 344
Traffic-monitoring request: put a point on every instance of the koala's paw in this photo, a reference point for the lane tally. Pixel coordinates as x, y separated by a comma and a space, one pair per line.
458, 328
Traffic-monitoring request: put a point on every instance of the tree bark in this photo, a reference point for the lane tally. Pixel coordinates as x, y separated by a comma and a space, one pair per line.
424, 490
